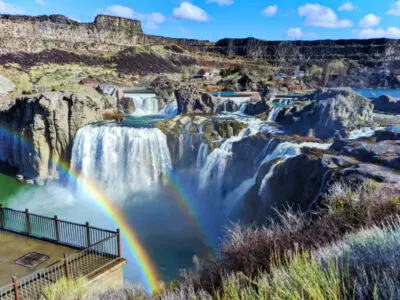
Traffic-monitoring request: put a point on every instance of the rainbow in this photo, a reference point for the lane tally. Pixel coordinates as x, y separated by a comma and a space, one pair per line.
184, 205
105, 203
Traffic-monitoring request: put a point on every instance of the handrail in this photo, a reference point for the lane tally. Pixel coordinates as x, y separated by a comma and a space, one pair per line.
97, 247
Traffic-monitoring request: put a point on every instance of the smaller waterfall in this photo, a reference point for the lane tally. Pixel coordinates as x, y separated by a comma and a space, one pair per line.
242, 108
170, 109
273, 114
215, 165
145, 104
202, 155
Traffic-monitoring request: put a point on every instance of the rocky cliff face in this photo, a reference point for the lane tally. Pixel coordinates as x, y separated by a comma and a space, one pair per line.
375, 52
36, 132
35, 34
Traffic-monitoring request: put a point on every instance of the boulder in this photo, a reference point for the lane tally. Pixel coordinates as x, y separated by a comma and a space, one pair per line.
328, 113
6, 86
164, 88
227, 106
383, 153
257, 108
387, 104
191, 101
245, 83
126, 105
45, 126
106, 89
385, 135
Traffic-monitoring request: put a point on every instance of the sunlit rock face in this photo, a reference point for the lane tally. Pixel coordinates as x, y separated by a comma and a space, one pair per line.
328, 113
37, 131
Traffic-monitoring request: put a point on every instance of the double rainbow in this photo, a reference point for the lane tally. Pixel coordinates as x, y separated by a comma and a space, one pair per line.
104, 202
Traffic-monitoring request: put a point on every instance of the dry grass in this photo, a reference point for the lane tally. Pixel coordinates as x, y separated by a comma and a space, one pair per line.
249, 250
112, 116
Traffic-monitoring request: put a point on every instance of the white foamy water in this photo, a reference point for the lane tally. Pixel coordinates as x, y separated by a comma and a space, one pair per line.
363, 132
170, 109
122, 160
202, 155
273, 114
215, 165
144, 104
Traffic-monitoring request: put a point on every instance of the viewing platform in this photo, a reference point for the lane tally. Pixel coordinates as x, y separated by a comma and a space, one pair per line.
37, 251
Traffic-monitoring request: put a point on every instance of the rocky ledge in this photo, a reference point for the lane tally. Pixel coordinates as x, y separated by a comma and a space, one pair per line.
36, 132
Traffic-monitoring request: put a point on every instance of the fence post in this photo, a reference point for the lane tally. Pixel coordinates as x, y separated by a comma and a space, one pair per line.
2, 217
67, 270
28, 222
16, 293
57, 229
88, 234
119, 243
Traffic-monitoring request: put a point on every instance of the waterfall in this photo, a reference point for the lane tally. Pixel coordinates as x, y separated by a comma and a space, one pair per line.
285, 150
170, 109
215, 165
122, 160
145, 104
202, 155
273, 114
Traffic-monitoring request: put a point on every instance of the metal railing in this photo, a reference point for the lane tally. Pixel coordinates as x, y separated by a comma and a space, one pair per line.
98, 249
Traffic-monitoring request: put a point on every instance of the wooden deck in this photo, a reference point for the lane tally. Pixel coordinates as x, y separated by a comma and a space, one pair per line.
13, 246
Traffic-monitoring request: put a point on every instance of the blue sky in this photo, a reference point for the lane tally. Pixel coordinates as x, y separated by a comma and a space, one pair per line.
216, 19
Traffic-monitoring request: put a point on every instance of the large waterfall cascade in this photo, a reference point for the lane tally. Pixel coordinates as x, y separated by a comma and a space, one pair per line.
122, 160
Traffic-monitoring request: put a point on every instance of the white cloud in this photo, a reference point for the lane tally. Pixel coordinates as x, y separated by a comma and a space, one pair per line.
270, 11
123, 11
348, 6
321, 16
40, 2
151, 21
188, 11
390, 32
9, 8
294, 33
221, 2
370, 21
395, 10
154, 19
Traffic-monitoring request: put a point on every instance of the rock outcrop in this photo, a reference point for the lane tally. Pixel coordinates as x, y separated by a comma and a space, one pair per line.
185, 134
385, 152
258, 108
387, 104
164, 88
328, 113
6, 86
191, 101
39, 130
227, 106
126, 106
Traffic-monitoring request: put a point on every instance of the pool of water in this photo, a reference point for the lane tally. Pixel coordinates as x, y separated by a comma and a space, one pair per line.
10, 187
228, 94
372, 93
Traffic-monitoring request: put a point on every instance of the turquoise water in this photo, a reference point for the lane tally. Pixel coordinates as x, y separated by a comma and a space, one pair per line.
145, 121
228, 94
377, 93
394, 128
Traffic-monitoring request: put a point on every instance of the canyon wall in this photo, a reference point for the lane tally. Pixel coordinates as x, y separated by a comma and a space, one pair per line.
373, 52
35, 34
106, 34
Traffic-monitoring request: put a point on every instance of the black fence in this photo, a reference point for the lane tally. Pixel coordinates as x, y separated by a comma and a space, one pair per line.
97, 247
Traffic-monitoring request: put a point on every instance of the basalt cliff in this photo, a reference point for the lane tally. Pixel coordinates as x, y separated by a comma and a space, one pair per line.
114, 41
